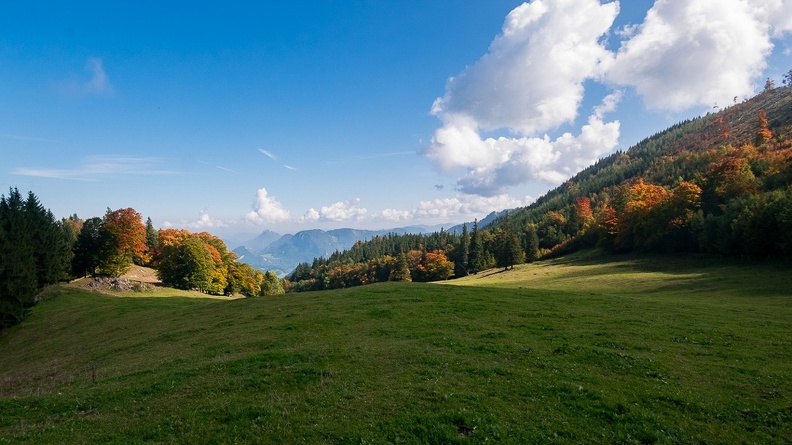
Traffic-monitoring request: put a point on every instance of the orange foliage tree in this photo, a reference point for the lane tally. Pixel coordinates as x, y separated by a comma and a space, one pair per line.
123, 241
764, 133
649, 217
437, 266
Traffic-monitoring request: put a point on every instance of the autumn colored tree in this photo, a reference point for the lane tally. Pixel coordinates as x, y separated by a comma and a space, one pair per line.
583, 213
187, 265
380, 268
763, 134
637, 217
728, 178
401, 270
123, 241
551, 229
437, 266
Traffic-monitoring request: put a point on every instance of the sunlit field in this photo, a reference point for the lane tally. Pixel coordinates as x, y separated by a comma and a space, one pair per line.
590, 348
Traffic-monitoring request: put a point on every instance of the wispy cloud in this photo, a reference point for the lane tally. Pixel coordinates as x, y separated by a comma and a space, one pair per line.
268, 154
94, 168
97, 84
220, 167
289, 167
18, 137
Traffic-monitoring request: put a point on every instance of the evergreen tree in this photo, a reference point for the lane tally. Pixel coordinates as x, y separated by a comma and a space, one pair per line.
87, 248
477, 259
531, 243
152, 235
34, 252
51, 250
462, 253
18, 283
508, 250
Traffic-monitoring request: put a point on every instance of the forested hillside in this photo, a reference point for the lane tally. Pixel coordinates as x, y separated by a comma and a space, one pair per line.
719, 184
716, 184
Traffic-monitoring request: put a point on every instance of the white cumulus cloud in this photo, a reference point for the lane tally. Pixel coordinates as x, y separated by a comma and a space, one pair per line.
699, 52
207, 222
494, 164
267, 209
457, 208
530, 81
467, 206
339, 211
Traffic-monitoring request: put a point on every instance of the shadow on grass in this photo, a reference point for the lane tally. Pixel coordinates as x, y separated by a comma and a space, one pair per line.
685, 273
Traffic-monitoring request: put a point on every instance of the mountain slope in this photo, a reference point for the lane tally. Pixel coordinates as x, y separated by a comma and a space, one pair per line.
719, 153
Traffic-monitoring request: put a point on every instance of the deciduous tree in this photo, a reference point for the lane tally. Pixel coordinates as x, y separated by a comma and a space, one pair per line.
123, 241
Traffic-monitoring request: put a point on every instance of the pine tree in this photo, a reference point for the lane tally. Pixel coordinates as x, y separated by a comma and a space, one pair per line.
508, 250
34, 252
463, 252
477, 259
152, 235
531, 243
87, 248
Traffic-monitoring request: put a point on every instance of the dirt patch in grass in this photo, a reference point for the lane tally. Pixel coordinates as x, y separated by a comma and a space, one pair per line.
142, 274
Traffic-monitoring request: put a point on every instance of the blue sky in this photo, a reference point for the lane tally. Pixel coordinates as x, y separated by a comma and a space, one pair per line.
368, 114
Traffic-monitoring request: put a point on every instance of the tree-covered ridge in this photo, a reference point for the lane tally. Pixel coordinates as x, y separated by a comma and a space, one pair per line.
411, 257
734, 168
719, 183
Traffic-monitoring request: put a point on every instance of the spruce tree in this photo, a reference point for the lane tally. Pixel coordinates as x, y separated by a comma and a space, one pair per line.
34, 252
477, 260
531, 243
463, 252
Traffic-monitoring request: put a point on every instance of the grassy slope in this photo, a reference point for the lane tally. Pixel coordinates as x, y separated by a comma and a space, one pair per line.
583, 349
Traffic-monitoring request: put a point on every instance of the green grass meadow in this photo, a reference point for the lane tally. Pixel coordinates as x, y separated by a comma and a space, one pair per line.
585, 349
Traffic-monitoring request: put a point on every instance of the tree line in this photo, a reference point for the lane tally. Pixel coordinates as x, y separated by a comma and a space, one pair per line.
412, 257
37, 250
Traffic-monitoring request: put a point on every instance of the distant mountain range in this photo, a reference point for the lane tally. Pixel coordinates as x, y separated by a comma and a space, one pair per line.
282, 253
